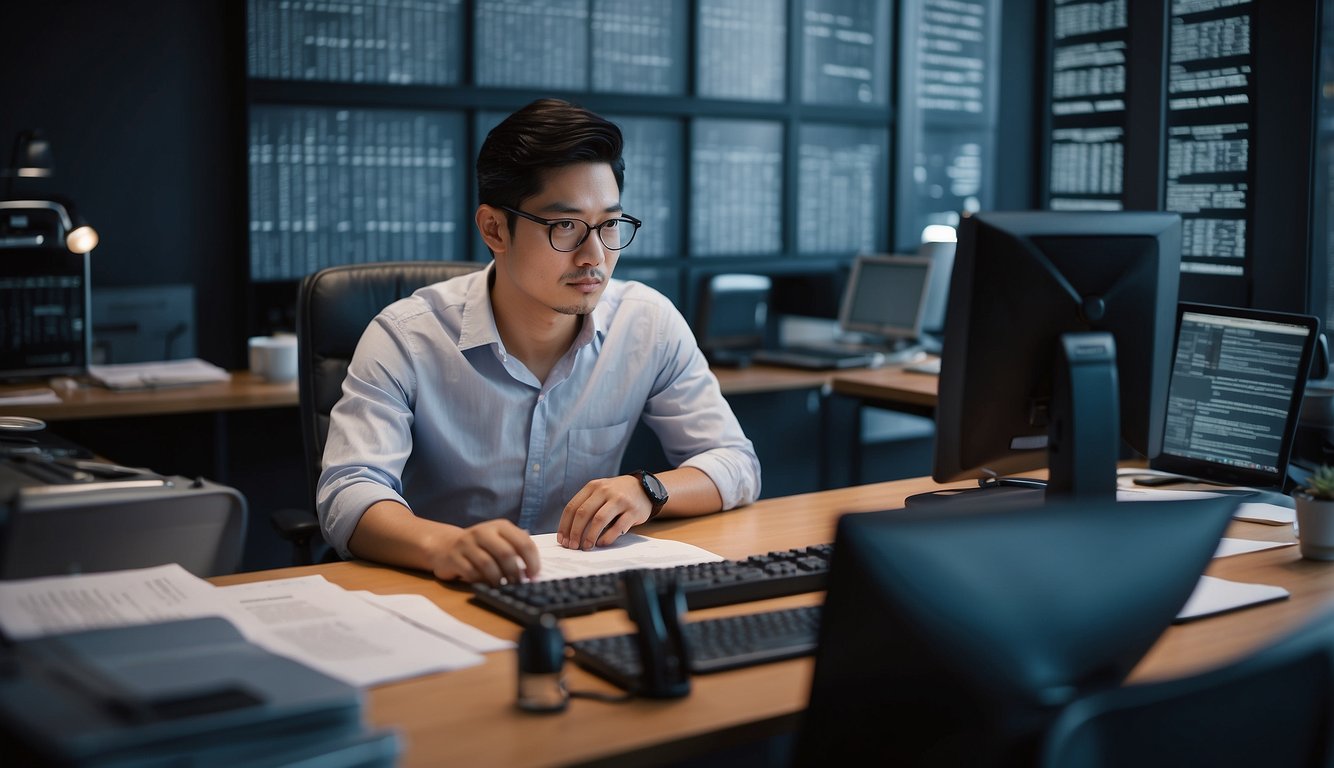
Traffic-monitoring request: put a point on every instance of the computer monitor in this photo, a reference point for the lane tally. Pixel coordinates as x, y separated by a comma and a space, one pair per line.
952, 636
733, 311
1235, 395
44, 299
936, 302
884, 296
1058, 342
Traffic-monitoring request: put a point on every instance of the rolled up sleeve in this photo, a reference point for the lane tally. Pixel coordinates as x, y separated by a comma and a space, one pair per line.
370, 436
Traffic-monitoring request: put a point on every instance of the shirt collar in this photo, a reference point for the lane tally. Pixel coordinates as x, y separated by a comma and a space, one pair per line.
479, 317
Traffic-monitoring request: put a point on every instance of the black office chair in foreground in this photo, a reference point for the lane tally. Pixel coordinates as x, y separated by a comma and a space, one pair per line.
954, 638
334, 307
1274, 708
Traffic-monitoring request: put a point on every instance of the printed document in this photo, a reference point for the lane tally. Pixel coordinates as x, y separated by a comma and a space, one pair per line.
359, 640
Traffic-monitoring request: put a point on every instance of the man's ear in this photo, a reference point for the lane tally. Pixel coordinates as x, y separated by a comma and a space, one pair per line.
494, 227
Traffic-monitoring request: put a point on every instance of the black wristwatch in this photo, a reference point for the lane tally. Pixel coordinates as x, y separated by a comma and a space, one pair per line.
654, 489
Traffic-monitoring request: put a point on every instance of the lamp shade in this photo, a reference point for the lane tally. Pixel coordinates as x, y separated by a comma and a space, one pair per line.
32, 156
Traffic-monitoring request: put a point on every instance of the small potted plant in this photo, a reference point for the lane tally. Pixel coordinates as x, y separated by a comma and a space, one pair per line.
1315, 515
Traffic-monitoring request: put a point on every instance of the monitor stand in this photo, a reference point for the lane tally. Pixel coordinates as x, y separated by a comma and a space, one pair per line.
1083, 438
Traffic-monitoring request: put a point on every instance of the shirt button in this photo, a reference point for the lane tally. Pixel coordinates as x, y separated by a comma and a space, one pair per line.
537, 467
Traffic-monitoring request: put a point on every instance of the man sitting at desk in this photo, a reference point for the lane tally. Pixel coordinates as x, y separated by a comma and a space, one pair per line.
502, 401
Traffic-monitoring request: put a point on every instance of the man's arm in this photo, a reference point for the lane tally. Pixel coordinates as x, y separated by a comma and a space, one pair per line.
389, 532
607, 508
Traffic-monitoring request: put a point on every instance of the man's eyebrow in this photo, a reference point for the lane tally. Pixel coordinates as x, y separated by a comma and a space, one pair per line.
560, 207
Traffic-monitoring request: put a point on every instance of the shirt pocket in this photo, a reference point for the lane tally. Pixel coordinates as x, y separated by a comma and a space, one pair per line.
592, 453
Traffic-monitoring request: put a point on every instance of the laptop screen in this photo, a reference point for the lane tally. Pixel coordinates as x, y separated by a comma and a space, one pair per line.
885, 296
1237, 380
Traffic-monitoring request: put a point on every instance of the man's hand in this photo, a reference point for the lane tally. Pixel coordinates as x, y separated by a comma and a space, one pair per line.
488, 551
602, 511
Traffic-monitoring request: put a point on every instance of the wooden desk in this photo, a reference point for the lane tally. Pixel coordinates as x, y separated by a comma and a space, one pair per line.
244, 391
468, 717
891, 386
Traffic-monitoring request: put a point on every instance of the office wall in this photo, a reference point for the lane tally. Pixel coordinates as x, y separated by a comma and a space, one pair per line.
140, 99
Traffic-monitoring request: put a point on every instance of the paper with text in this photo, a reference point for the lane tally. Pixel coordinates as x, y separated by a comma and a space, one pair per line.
326, 627
43, 606
425, 614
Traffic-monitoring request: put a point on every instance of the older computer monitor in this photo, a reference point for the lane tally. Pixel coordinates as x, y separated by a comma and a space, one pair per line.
884, 296
1058, 343
44, 298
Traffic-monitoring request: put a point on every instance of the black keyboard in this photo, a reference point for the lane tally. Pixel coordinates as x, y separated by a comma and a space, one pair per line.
712, 645
725, 582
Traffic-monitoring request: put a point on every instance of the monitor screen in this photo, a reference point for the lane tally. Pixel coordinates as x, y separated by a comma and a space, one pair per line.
1059, 322
733, 311
1237, 381
885, 295
938, 288
43, 312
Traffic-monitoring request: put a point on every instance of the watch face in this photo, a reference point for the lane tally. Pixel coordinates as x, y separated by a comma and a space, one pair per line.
654, 486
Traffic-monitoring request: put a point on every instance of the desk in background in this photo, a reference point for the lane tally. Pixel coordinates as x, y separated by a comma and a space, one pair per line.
468, 717
243, 391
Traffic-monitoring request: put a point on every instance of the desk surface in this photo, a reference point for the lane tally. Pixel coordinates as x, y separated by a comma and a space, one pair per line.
468, 717
244, 391
891, 385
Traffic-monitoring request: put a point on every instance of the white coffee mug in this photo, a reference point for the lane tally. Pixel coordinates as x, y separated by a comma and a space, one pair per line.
273, 358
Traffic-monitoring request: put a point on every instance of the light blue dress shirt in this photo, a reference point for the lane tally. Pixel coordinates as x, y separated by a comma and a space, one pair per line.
436, 415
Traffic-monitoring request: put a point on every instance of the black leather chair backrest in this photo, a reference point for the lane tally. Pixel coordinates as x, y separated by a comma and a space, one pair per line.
334, 307
1274, 708
954, 637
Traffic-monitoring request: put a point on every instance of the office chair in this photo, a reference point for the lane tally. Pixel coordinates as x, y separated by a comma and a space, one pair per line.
1272, 708
334, 306
954, 638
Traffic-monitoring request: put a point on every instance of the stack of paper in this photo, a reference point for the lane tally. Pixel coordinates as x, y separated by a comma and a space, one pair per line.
356, 637
167, 373
155, 666
191, 692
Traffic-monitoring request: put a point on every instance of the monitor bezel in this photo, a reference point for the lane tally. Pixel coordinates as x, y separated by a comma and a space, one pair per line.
845, 314
1227, 473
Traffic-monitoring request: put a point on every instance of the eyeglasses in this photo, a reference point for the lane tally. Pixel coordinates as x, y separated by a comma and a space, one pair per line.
568, 234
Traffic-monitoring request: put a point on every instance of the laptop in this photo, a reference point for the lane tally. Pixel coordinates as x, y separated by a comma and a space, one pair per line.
885, 298
1235, 394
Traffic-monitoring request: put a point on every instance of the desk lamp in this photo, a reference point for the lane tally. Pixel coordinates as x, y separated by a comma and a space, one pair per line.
41, 221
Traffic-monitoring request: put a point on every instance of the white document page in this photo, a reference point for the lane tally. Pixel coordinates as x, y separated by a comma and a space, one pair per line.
35, 607
330, 629
165, 373
1214, 595
34, 396
423, 613
629, 551
1269, 514
1249, 511
1228, 547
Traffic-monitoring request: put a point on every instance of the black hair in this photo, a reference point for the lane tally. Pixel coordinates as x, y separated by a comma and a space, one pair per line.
546, 134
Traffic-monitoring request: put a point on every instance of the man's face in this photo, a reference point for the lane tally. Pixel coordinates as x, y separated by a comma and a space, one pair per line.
533, 274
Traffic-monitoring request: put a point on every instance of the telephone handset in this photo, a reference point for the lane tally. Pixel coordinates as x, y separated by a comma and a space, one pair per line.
663, 657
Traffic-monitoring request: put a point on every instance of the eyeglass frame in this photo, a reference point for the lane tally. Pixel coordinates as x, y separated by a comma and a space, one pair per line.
550, 224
